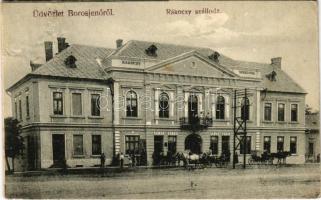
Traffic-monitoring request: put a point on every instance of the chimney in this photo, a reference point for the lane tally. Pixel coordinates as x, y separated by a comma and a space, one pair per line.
48, 50
34, 66
119, 43
61, 43
276, 62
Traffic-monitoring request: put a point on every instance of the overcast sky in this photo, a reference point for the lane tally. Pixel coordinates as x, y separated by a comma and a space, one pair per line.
251, 31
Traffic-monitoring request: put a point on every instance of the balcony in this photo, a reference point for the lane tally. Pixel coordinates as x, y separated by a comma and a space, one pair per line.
195, 123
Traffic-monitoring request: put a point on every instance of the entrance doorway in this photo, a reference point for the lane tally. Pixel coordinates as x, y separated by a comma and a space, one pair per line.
58, 149
193, 143
158, 149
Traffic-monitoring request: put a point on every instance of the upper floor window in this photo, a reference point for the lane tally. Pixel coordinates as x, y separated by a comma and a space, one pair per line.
163, 105
76, 104
281, 112
220, 107
20, 110
131, 104
294, 112
267, 112
57, 103
27, 106
245, 109
95, 103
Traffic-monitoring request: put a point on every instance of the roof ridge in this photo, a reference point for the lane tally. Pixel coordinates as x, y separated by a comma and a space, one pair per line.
171, 44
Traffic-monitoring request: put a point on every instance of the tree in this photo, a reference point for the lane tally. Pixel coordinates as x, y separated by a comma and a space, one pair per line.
308, 109
13, 140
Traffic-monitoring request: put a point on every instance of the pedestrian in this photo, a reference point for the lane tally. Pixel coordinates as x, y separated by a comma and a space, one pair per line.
102, 160
121, 160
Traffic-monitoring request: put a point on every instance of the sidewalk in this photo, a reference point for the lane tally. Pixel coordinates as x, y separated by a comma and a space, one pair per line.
116, 169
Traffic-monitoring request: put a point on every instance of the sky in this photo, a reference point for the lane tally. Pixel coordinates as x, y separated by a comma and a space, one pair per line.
250, 31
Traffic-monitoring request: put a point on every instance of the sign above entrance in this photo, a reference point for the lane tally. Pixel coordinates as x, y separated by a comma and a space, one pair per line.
165, 133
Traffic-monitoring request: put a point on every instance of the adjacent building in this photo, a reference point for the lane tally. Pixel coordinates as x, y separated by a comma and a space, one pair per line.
312, 137
132, 99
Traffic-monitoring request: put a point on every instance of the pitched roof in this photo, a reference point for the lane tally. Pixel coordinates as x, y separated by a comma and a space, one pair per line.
87, 63
89, 57
136, 49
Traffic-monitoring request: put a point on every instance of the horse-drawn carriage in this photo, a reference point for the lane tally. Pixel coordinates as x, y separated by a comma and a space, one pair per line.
268, 158
192, 161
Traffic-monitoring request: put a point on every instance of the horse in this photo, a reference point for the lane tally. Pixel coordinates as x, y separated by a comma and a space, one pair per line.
281, 156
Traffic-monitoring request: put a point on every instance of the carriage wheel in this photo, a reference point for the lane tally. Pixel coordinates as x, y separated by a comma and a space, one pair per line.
250, 161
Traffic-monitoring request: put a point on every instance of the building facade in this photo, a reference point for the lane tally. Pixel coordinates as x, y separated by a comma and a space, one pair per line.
312, 137
87, 100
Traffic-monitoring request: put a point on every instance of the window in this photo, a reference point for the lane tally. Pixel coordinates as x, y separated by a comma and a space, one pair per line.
293, 141
57, 103
172, 144
20, 110
96, 144
267, 112
27, 106
16, 108
248, 145
281, 112
214, 144
280, 144
267, 144
132, 144
76, 104
311, 148
95, 103
220, 107
294, 112
78, 145
131, 108
245, 109
225, 144
163, 105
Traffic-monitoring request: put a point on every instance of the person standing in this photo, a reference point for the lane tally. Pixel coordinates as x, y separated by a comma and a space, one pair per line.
102, 160
121, 160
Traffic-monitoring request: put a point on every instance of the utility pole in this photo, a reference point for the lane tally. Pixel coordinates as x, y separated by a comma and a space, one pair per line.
240, 126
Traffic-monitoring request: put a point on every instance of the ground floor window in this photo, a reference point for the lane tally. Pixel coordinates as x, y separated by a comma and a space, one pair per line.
214, 144
248, 145
267, 144
172, 144
311, 148
132, 144
226, 144
293, 141
96, 144
280, 144
78, 145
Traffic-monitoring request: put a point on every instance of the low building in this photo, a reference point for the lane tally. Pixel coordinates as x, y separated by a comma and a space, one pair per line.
312, 149
132, 99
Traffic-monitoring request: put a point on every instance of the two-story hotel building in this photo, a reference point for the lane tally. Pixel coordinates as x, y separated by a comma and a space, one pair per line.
87, 100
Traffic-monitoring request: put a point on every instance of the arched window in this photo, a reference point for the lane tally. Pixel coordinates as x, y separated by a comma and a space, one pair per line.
131, 104
220, 107
245, 109
163, 105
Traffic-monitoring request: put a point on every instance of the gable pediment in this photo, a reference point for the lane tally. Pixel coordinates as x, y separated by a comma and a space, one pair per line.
191, 64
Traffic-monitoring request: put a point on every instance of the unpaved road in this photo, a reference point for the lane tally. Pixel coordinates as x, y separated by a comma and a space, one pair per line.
266, 182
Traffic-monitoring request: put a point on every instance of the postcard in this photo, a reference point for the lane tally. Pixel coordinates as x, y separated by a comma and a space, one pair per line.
159, 100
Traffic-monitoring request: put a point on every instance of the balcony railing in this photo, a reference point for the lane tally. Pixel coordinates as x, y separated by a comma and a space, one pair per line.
195, 123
